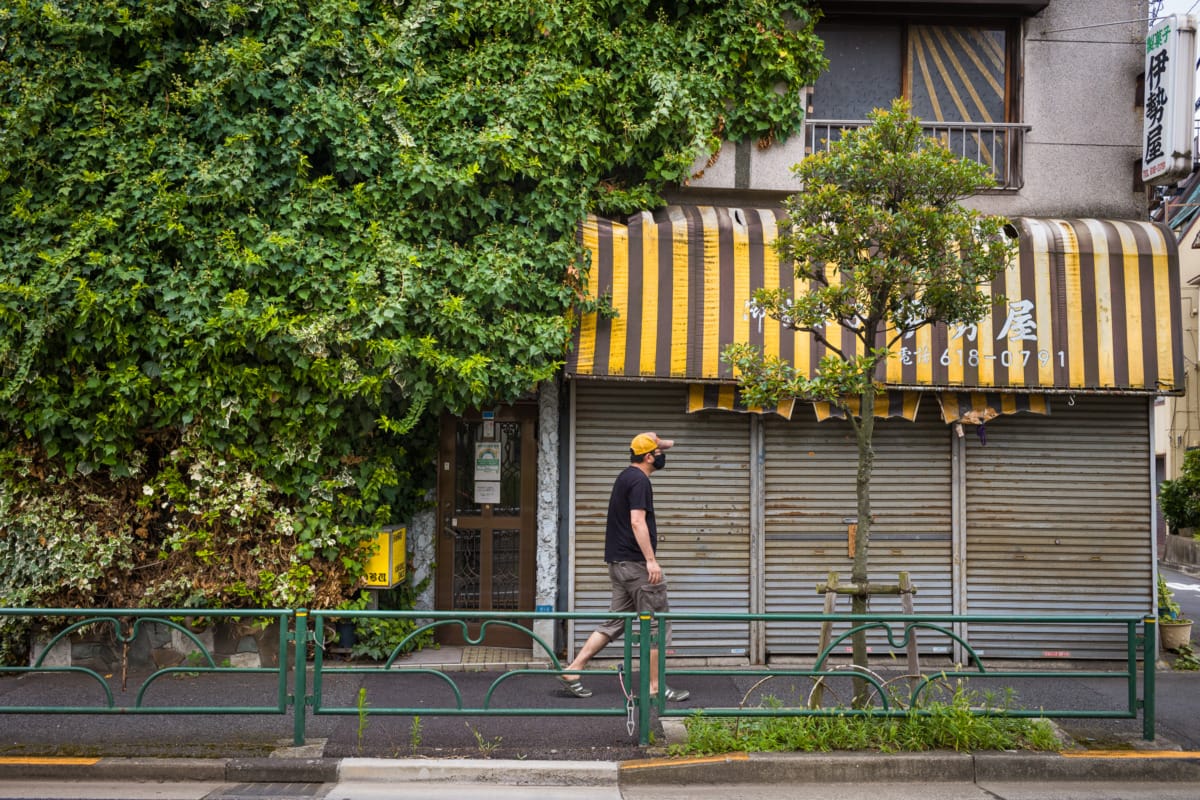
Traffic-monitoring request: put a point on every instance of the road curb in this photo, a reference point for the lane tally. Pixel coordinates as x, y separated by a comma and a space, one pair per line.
1152, 766
928, 767
109, 768
793, 768
728, 769
282, 770
481, 770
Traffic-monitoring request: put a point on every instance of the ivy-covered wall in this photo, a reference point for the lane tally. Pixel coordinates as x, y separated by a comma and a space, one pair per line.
249, 249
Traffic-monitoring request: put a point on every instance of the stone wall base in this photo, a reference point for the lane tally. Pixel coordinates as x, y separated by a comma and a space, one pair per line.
1182, 551
157, 646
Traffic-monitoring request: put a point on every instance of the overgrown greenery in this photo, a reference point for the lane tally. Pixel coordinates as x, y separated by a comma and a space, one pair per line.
1186, 660
954, 724
377, 637
1179, 498
1169, 609
884, 248
249, 251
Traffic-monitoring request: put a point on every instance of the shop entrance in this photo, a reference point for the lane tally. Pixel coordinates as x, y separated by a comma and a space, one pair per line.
487, 537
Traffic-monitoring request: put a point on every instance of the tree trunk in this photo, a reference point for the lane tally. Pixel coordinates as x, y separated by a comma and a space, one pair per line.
866, 463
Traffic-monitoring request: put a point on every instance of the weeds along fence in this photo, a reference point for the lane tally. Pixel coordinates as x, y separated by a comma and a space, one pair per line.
300, 682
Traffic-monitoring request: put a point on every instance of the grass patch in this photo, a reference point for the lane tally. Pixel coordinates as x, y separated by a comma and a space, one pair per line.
962, 723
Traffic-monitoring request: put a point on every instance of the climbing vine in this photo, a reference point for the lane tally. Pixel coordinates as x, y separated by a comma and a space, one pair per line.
250, 250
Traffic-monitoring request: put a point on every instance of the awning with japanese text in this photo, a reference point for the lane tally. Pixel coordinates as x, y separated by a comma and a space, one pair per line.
1085, 304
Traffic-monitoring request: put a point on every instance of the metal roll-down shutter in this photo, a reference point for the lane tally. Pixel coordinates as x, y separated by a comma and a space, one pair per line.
810, 492
1058, 522
701, 500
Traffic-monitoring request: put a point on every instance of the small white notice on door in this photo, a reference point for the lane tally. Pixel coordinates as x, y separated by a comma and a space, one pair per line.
487, 491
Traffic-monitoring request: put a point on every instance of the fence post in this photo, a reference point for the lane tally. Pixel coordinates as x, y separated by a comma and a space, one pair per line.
1149, 667
300, 676
644, 699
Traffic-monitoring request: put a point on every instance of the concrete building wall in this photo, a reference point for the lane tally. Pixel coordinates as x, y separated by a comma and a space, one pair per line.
546, 590
1081, 63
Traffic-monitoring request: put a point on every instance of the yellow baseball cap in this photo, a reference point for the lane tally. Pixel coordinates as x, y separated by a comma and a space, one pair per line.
649, 442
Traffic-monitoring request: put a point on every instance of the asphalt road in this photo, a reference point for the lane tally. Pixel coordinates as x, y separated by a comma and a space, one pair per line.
519, 737
1187, 592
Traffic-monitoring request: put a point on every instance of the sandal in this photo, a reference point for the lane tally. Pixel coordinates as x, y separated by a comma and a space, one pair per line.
676, 695
574, 687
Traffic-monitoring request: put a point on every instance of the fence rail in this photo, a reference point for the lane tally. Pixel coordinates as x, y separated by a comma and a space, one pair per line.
303, 631
126, 625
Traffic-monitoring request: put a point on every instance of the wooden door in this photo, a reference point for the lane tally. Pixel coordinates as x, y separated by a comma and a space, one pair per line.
487, 536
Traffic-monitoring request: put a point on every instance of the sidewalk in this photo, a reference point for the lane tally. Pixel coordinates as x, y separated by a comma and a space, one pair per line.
730, 769
524, 750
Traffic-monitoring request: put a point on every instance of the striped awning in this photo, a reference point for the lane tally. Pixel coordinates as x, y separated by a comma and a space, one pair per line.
727, 397
976, 408
887, 404
1086, 305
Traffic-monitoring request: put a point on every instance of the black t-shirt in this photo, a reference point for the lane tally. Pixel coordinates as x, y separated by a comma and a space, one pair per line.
631, 491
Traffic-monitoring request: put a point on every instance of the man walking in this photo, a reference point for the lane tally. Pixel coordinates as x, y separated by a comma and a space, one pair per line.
630, 542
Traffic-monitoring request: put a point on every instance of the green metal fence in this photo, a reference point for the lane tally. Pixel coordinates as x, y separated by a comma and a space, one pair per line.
894, 700
396, 670
125, 625
306, 631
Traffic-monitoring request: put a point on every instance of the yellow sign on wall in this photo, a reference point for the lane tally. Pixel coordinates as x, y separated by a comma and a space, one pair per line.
385, 568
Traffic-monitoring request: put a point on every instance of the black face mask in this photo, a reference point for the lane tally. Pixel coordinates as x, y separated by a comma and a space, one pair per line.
660, 461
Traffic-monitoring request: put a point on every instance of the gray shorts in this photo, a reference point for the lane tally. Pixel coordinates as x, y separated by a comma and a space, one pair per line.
632, 591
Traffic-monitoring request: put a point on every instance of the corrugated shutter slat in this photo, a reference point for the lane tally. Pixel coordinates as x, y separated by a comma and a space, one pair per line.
1058, 516
701, 501
810, 478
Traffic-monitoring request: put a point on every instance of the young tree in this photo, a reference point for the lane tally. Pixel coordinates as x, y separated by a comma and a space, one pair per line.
882, 244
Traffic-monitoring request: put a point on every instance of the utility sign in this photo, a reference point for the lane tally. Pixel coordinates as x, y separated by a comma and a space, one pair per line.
1170, 91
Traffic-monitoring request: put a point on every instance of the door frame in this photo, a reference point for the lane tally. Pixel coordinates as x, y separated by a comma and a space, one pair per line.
527, 415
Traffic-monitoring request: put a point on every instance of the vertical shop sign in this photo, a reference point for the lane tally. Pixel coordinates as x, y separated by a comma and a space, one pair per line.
1170, 92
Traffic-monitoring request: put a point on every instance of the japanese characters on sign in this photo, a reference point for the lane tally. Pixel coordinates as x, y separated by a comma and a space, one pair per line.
1020, 327
1019, 332
1170, 92
386, 565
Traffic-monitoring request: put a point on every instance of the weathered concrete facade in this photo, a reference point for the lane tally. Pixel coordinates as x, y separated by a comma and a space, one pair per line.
547, 508
1077, 96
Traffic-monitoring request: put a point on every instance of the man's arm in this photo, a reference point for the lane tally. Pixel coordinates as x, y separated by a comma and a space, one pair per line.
641, 532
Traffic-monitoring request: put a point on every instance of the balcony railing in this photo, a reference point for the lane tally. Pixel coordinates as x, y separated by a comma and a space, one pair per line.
995, 145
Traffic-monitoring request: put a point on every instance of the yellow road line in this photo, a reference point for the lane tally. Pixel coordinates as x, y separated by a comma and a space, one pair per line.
1131, 754
48, 760
678, 762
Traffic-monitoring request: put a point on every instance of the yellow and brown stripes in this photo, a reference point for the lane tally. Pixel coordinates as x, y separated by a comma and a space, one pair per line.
728, 397
887, 404
978, 407
680, 280
1084, 305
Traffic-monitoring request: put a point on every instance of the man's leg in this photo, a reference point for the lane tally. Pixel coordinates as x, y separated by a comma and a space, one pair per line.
594, 644
653, 598
672, 694
622, 600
